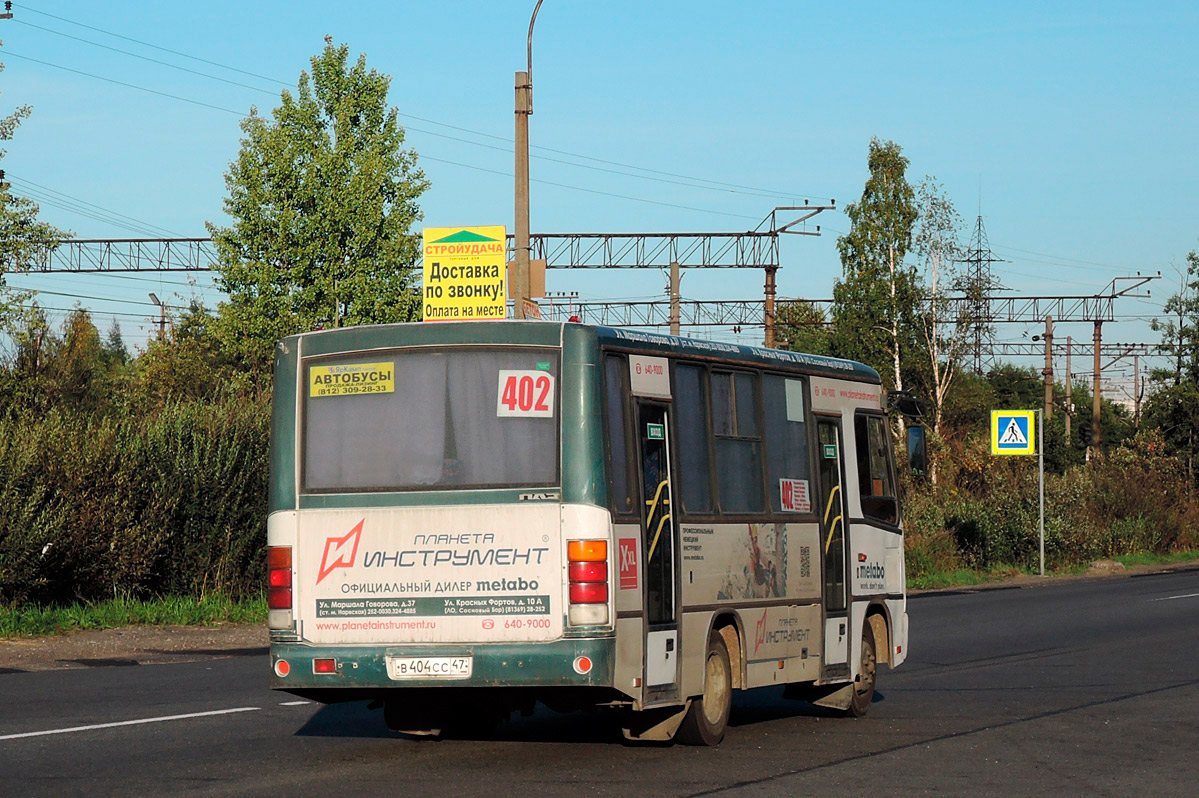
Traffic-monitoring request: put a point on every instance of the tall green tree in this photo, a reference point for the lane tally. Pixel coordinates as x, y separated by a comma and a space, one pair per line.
1173, 406
21, 234
323, 200
876, 301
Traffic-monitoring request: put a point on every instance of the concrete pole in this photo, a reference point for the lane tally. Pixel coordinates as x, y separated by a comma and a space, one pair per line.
1136, 390
769, 311
674, 297
1069, 379
520, 260
1095, 404
1048, 370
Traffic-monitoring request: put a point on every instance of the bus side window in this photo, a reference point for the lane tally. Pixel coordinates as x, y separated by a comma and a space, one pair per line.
691, 431
616, 390
787, 466
876, 481
738, 442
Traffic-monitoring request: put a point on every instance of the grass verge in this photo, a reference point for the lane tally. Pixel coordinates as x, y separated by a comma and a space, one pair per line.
967, 578
171, 611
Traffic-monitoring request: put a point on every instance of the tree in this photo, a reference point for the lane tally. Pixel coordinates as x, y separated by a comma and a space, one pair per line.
21, 234
878, 295
944, 326
1174, 404
800, 326
323, 199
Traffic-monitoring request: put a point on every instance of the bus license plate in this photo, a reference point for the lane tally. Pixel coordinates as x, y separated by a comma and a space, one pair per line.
429, 667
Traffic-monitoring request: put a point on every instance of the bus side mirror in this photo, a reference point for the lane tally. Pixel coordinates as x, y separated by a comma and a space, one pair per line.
905, 404
917, 451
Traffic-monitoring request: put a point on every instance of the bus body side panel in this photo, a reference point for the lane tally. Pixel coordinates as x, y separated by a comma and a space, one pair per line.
630, 616
782, 644
768, 574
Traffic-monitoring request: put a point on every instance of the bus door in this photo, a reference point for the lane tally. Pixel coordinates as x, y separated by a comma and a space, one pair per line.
832, 531
659, 549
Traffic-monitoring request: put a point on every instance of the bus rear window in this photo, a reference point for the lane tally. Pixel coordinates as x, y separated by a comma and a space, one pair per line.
431, 419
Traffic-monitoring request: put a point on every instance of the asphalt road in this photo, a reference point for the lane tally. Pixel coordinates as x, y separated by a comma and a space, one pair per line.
1066, 689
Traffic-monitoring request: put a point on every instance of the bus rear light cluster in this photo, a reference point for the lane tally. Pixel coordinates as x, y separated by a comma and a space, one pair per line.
278, 574
588, 571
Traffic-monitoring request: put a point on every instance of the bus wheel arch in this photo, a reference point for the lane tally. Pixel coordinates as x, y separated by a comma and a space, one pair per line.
880, 623
727, 627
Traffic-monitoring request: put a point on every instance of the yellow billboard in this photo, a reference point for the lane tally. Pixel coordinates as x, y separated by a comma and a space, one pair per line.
464, 273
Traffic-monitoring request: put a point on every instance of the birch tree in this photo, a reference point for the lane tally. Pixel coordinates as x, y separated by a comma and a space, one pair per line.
877, 298
944, 325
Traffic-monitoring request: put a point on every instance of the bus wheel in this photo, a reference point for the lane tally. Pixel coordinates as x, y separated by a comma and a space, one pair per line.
863, 688
708, 716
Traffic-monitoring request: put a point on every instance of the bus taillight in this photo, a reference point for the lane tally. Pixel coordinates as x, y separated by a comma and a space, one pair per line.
278, 574
588, 570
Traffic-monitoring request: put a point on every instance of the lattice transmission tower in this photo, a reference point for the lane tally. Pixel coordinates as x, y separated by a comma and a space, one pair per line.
980, 285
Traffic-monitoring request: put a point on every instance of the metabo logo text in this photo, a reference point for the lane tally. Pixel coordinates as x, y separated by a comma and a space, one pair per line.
870, 570
340, 552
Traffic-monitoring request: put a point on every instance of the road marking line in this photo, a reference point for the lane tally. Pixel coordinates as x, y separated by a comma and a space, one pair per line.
1171, 598
129, 723
293, 703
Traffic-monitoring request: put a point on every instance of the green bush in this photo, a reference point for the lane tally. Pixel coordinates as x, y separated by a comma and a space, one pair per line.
1133, 499
173, 503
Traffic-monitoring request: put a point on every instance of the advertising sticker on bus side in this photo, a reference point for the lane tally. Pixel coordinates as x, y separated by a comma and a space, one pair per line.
794, 495
351, 379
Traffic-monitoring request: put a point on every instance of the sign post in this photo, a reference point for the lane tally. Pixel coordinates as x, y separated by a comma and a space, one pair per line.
1014, 432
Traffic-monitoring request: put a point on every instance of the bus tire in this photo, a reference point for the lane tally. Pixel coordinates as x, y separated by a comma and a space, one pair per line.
708, 716
863, 686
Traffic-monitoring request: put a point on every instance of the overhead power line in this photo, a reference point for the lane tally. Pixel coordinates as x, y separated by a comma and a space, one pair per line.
123, 83
148, 44
86, 296
99, 208
714, 184
146, 58
589, 190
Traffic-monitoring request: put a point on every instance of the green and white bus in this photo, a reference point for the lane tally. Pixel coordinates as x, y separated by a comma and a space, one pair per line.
467, 518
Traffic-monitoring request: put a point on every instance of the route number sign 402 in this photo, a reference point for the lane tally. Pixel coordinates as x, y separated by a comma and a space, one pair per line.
528, 394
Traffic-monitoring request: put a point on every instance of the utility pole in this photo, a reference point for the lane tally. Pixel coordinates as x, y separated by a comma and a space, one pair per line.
524, 109
674, 297
1069, 379
1136, 391
769, 308
1048, 370
1095, 432
520, 260
162, 315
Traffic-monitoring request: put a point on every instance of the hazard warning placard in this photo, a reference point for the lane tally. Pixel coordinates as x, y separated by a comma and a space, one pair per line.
1013, 432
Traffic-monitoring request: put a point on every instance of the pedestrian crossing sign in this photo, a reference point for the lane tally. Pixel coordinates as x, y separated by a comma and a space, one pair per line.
1013, 432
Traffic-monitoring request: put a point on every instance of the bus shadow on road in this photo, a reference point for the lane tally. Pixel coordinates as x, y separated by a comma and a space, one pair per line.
355, 720
767, 704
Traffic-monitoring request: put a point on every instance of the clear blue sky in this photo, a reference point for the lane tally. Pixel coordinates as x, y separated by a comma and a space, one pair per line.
1073, 123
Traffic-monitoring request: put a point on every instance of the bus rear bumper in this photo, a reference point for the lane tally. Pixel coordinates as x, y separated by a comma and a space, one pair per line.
569, 662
